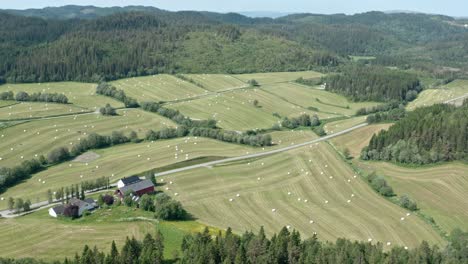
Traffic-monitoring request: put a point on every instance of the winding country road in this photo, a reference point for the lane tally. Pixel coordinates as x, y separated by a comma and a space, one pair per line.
44, 204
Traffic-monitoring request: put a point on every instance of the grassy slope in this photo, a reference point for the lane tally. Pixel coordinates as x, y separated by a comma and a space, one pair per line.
40, 236
123, 161
278, 77
34, 110
217, 82
206, 193
79, 94
305, 96
158, 88
234, 110
439, 190
38, 136
432, 96
6, 103
358, 139
338, 126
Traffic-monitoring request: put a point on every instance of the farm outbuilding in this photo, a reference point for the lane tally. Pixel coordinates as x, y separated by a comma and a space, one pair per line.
87, 204
127, 181
139, 188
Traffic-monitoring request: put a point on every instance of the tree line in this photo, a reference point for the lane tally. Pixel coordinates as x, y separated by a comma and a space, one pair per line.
108, 90
371, 83
425, 135
286, 247
12, 176
163, 206
35, 97
201, 128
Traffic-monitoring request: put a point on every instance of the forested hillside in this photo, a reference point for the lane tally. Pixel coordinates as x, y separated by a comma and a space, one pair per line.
91, 44
374, 84
133, 44
426, 135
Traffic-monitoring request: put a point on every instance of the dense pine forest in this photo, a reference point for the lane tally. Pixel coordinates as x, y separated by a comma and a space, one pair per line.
94, 44
426, 135
285, 247
374, 84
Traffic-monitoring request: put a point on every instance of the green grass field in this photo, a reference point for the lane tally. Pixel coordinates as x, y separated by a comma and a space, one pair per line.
159, 88
447, 92
40, 136
79, 94
440, 191
326, 102
338, 126
234, 110
278, 77
122, 161
27, 110
297, 184
217, 82
358, 139
6, 103
40, 236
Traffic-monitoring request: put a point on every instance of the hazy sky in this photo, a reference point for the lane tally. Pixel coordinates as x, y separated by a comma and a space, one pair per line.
449, 7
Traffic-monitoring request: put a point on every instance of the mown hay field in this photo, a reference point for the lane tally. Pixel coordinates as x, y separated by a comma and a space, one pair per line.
455, 89
326, 102
309, 189
158, 88
356, 140
440, 191
24, 141
79, 94
217, 82
42, 237
235, 110
340, 125
278, 77
125, 160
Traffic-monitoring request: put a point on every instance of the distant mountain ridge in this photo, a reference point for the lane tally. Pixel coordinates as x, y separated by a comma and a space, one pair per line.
79, 12
91, 12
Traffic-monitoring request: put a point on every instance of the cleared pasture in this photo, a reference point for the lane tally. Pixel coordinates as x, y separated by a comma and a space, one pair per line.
292, 137
80, 94
122, 161
6, 103
338, 126
309, 189
277, 77
325, 102
235, 110
356, 140
217, 82
25, 110
440, 191
159, 88
455, 89
24, 141
40, 236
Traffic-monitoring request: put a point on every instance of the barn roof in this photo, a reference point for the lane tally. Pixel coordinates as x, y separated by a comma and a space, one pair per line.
138, 186
59, 209
89, 200
130, 180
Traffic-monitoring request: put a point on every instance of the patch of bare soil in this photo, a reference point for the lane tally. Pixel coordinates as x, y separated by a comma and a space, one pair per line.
87, 157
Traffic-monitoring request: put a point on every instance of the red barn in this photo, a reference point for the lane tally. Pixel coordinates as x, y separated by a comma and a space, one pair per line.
138, 188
